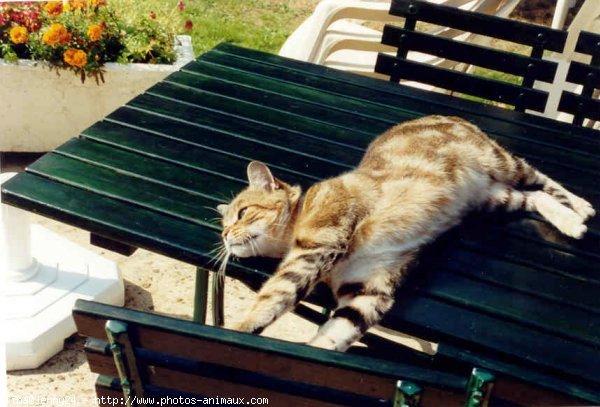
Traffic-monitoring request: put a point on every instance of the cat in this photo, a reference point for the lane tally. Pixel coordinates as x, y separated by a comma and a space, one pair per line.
357, 232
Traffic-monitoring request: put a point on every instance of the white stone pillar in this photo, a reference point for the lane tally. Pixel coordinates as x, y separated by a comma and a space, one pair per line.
16, 261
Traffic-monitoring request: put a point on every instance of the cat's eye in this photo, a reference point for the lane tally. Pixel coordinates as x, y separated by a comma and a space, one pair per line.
242, 212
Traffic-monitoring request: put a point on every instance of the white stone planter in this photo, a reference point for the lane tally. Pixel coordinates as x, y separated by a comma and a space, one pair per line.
40, 110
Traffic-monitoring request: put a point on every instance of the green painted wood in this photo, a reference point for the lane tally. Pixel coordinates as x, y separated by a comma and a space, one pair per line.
499, 91
584, 74
479, 388
200, 296
479, 23
143, 228
449, 355
185, 172
477, 331
302, 352
523, 278
537, 128
470, 53
281, 84
207, 84
216, 131
562, 153
573, 103
112, 245
559, 320
535, 253
255, 111
191, 207
587, 43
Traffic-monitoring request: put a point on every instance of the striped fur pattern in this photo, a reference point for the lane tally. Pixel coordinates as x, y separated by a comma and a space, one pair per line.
357, 232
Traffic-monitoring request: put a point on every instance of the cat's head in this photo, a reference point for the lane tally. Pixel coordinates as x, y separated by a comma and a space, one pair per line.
258, 221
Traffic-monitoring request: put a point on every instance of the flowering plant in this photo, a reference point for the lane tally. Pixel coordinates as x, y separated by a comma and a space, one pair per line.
82, 35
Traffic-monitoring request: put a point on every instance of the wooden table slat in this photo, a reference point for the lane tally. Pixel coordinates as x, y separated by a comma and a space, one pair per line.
475, 329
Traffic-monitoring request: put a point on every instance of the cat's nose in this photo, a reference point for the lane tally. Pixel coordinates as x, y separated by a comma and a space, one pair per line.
224, 234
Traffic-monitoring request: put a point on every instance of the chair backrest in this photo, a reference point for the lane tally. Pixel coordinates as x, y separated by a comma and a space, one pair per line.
586, 104
528, 68
332, 28
149, 356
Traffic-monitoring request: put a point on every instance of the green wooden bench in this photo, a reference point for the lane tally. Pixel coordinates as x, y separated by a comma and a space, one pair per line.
141, 356
506, 294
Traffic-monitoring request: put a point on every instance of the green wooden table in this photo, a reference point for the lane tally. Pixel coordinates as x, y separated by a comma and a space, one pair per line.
506, 293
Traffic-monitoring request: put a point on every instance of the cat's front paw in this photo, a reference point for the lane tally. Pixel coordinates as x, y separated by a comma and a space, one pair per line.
248, 327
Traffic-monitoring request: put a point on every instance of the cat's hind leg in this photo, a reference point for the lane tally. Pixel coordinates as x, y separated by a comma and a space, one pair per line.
562, 217
506, 168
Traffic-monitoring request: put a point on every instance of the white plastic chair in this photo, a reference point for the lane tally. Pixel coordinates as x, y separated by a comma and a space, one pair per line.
587, 19
335, 34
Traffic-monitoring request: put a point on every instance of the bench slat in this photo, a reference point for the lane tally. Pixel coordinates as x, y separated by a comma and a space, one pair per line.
444, 78
479, 23
584, 74
574, 103
469, 53
587, 43
185, 339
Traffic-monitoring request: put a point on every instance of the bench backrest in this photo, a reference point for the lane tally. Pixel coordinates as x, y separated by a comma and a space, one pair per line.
529, 69
149, 356
584, 105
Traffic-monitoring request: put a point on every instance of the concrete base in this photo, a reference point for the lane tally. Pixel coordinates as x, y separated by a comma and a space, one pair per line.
38, 315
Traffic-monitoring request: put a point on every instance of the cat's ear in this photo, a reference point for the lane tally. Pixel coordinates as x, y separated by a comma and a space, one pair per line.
294, 194
222, 208
260, 177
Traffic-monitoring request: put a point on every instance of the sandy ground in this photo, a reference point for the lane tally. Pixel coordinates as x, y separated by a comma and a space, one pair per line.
153, 283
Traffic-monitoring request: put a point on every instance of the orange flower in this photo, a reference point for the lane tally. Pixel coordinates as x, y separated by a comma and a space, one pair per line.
75, 57
54, 8
77, 4
94, 32
56, 34
19, 34
97, 3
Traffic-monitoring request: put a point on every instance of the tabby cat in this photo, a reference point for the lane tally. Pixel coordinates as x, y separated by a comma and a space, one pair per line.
357, 232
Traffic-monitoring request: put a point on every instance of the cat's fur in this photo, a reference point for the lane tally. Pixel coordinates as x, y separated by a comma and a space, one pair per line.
357, 232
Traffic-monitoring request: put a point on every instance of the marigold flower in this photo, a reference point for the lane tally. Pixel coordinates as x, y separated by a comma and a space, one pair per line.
56, 34
94, 32
189, 25
54, 8
152, 15
75, 57
77, 4
19, 34
97, 3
